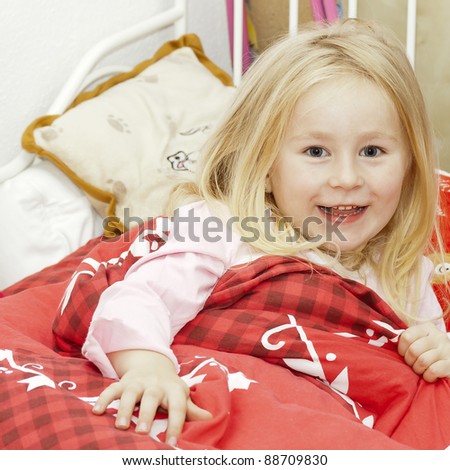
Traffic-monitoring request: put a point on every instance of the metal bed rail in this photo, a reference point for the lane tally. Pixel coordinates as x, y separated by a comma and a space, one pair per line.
352, 12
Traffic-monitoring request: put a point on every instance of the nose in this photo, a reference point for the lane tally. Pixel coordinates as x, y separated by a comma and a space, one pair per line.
345, 173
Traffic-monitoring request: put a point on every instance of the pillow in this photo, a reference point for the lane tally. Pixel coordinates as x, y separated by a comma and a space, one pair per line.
46, 218
131, 139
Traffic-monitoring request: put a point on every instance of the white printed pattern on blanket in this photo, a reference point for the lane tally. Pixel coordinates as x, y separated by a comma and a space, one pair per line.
235, 381
314, 367
37, 379
140, 247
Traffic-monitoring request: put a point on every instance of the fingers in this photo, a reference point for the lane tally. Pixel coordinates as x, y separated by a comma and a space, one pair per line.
174, 398
128, 401
149, 398
129, 397
147, 411
412, 334
195, 413
421, 362
437, 370
420, 352
108, 395
182, 408
427, 350
177, 408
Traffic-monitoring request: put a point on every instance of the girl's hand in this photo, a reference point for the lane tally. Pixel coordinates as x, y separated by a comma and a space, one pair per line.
427, 350
149, 378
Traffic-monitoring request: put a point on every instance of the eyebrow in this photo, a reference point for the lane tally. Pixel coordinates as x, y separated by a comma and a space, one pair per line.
380, 135
371, 135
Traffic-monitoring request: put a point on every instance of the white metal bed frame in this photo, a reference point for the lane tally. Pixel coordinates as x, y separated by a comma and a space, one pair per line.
84, 74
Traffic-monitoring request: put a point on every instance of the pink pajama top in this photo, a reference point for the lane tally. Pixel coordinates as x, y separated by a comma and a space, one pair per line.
167, 288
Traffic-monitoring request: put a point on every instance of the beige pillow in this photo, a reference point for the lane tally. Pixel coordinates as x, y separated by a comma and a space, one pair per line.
129, 141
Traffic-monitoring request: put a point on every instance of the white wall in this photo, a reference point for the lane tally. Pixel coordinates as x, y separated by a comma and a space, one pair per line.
41, 41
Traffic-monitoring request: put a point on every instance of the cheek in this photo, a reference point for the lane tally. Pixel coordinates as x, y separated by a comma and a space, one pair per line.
389, 182
288, 178
289, 190
393, 189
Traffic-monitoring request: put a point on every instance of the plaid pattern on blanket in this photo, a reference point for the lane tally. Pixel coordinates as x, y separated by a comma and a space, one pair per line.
334, 332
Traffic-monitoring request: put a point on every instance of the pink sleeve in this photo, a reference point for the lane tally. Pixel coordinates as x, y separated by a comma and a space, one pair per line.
160, 294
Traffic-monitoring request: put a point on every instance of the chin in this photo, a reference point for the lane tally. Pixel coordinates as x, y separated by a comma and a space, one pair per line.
344, 247
350, 244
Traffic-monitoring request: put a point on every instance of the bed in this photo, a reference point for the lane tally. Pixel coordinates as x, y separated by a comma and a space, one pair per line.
270, 380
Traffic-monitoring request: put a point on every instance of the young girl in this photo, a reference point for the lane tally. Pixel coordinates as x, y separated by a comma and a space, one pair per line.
326, 155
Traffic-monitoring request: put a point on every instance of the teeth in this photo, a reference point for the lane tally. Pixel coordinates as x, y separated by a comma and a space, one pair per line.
345, 208
342, 209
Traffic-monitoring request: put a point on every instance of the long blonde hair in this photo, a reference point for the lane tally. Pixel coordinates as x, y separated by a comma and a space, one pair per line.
244, 148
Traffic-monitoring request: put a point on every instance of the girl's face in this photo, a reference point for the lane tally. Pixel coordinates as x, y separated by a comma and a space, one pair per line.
341, 167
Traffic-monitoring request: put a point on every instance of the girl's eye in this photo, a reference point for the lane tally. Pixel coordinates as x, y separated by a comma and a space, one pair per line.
315, 152
371, 151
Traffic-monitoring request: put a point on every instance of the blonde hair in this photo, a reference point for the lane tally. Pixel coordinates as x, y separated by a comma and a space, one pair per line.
243, 150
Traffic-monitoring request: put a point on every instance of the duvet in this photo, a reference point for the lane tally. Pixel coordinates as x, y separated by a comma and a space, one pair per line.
284, 355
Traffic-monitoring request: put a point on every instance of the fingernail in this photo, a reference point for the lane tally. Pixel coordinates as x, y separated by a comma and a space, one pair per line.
172, 441
121, 422
142, 427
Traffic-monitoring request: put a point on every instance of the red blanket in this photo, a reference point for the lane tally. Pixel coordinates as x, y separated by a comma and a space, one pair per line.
282, 356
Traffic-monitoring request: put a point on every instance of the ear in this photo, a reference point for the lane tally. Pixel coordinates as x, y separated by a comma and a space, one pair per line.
268, 185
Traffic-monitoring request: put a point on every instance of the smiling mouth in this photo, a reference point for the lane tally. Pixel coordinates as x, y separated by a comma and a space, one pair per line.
342, 211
